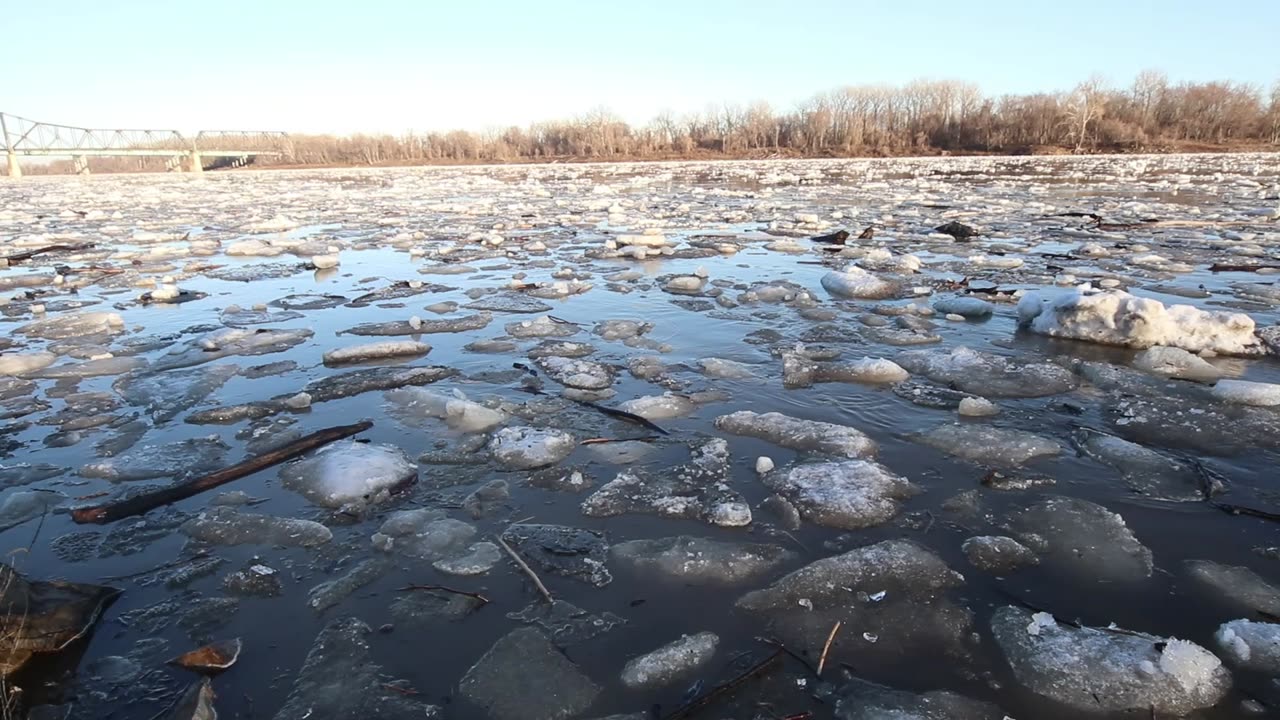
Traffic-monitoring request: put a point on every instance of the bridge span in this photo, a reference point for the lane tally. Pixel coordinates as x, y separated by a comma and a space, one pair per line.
23, 136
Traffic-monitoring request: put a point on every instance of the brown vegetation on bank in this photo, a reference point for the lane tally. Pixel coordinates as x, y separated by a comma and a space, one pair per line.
920, 118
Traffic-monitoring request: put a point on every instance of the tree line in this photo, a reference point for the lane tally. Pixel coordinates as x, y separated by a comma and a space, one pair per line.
923, 117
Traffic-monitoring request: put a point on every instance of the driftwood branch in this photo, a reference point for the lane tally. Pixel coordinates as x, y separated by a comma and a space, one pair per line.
28, 254
527, 570
128, 507
822, 661
441, 588
711, 695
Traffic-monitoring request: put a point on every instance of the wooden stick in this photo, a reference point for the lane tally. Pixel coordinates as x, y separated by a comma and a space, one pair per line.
483, 600
699, 703
19, 257
822, 661
128, 507
527, 570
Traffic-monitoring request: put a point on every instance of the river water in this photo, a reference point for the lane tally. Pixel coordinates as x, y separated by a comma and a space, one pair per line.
738, 234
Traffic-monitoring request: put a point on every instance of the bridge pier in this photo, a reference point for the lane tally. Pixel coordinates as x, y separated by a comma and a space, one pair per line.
15, 170
80, 164
196, 163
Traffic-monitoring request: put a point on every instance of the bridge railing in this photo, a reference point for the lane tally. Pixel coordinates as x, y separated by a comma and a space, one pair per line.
24, 136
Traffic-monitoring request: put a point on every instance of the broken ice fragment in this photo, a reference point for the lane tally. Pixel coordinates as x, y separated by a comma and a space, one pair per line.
849, 495
227, 526
525, 677
1115, 317
989, 445
348, 474
1093, 669
376, 351
797, 434
526, 448
670, 663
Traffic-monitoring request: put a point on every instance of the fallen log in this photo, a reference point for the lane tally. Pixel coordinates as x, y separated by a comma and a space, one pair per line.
27, 255
1242, 267
139, 504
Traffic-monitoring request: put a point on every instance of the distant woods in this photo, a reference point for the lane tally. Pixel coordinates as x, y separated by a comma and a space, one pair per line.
921, 118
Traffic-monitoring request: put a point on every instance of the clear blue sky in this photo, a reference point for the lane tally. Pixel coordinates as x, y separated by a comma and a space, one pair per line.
393, 65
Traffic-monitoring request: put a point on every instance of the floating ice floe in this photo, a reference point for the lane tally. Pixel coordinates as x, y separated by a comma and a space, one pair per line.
1244, 392
339, 679
798, 371
697, 490
675, 661
500, 682
855, 282
1084, 539
988, 375
989, 445
376, 351
1106, 670
349, 474
414, 403
797, 434
1114, 317
1177, 363
689, 559
849, 495
1250, 645
526, 448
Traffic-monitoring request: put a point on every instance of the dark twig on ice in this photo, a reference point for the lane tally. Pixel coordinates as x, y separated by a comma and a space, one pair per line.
139, 504
537, 581
714, 693
623, 415
1242, 267
1243, 510
28, 254
798, 658
441, 588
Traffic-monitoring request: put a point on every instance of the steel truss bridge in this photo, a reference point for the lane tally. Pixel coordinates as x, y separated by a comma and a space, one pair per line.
227, 148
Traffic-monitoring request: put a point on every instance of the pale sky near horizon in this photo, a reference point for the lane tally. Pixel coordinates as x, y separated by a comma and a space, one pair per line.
396, 65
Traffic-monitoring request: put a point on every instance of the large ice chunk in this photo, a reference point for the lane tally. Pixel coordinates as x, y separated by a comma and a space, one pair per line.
349, 474
1251, 645
672, 662
577, 373
1084, 538
74, 325
526, 448
797, 434
413, 404
862, 700
1176, 362
699, 560
799, 371
227, 526
1114, 317
1244, 392
849, 495
989, 375
339, 681
376, 351
855, 282
697, 490
893, 592
989, 445
1239, 585
1100, 669
525, 677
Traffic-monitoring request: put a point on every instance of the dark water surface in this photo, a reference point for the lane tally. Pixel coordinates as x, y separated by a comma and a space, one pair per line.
376, 217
